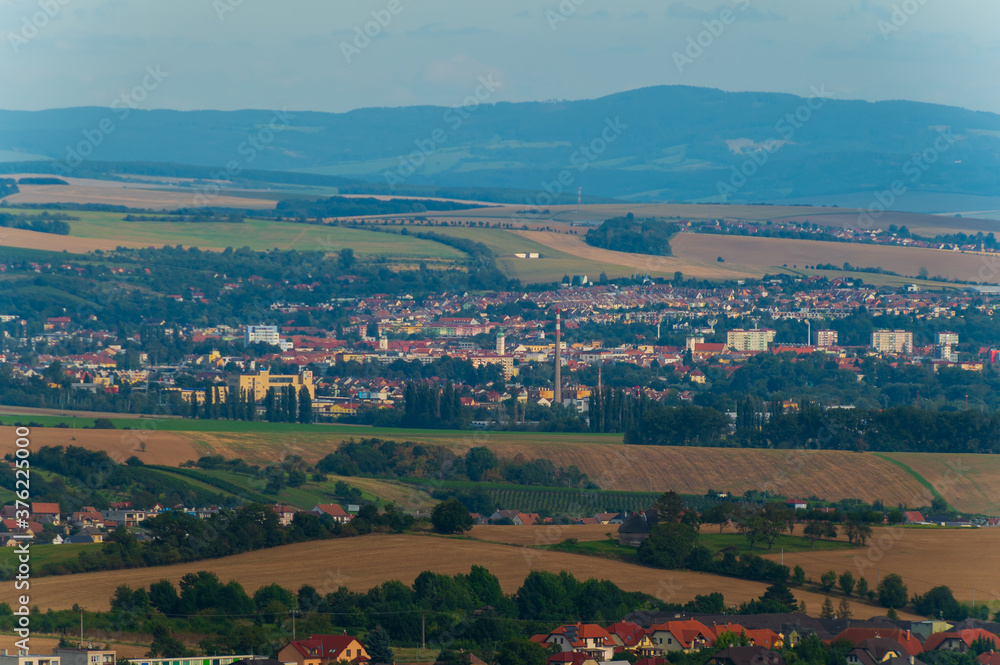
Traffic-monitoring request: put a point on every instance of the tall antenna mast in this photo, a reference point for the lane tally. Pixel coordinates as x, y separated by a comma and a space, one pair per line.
579, 198
557, 393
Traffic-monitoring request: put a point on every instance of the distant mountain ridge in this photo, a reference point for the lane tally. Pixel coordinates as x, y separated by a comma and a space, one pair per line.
663, 143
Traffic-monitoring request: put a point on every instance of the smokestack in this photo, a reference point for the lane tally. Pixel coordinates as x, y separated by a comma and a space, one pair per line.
557, 393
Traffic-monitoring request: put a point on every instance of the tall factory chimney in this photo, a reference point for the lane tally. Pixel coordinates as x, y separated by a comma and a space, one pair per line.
557, 393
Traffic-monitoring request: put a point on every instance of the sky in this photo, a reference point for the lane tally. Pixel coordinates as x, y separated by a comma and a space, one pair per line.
338, 55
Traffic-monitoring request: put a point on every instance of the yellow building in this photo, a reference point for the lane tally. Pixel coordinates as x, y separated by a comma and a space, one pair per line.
258, 384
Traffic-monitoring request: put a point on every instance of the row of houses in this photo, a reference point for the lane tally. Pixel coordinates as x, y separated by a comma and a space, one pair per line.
755, 640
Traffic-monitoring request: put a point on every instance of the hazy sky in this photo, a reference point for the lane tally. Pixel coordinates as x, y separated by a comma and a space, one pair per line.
303, 54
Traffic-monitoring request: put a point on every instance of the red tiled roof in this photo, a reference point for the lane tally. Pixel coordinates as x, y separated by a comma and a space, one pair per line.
967, 635
904, 637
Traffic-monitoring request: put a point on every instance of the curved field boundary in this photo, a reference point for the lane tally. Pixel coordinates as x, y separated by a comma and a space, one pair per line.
920, 479
364, 562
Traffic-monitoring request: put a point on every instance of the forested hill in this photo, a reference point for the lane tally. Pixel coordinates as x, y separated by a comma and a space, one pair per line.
662, 143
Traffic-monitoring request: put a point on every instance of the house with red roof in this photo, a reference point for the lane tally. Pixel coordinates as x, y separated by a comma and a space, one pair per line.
632, 637
906, 638
688, 635
46, 513
584, 638
989, 658
323, 650
757, 637
958, 640
285, 513
333, 510
914, 517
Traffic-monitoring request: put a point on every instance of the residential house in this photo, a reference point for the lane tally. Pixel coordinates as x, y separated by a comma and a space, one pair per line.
746, 656
19, 658
586, 638
333, 510
636, 529
632, 637
687, 635
45, 513
905, 638
958, 640
323, 650
85, 656
285, 513
876, 650
757, 637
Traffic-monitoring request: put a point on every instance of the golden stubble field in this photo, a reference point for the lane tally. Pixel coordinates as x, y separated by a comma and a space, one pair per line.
968, 482
56, 243
364, 562
110, 192
169, 448
963, 559
697, 254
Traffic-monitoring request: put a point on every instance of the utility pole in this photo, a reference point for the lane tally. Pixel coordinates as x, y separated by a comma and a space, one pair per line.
81, 627
423, 625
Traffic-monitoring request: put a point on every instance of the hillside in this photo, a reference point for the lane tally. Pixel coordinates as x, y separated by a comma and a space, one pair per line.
967, 482
658, 143
367, 561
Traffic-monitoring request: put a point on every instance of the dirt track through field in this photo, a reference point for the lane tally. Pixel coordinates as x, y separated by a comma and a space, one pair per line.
364, 562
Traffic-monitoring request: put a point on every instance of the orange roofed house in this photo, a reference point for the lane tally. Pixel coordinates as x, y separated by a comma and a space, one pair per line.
688, 636
958, 640
323, 650
333, 510
586, 638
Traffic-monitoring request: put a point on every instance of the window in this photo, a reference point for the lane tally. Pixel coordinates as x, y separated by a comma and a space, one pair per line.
348, 653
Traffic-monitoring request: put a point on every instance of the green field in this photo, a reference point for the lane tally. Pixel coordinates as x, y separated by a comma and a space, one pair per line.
9, 415
45, 554
254, 233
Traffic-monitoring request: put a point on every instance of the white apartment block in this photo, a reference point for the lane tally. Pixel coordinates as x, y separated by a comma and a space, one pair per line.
827, 338
892, 341
750, 340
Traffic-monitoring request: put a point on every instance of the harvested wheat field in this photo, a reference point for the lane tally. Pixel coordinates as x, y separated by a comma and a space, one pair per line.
109, 192
168, 448
55, 243
923, 557
364, 562
698, 267
969, 481
766, 254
